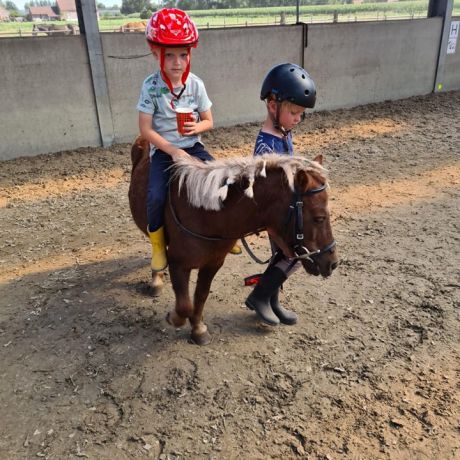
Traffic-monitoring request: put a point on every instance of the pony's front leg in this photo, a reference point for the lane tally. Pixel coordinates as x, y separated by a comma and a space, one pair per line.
200, 334
157, 283
180, 279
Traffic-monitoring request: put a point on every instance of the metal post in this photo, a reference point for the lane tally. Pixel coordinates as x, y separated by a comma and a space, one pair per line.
297, 12
441, 8
87, 21
304, 44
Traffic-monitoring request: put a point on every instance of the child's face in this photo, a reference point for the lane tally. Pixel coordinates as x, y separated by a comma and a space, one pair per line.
290, 114
175, 63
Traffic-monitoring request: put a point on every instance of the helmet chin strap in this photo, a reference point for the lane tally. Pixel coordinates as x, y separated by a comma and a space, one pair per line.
276, 121
168, 81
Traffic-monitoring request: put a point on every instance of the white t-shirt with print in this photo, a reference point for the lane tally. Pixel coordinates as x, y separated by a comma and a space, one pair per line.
155, 99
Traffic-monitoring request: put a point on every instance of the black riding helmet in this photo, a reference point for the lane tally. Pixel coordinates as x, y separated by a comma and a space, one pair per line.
289, 82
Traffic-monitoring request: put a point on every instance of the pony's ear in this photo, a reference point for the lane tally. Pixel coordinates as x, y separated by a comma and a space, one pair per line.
301, 181
319, 159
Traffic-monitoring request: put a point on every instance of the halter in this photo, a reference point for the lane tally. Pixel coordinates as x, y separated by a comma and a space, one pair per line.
299, 249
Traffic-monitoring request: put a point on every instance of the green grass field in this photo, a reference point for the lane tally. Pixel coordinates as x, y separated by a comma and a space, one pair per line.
267, 16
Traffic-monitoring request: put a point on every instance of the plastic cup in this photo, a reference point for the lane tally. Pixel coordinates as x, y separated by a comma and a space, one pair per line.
183, 115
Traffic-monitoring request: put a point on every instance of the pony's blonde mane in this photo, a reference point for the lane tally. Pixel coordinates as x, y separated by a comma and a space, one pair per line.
207, 183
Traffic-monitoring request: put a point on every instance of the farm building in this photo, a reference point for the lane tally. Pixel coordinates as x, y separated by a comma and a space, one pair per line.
67, 10
42, 13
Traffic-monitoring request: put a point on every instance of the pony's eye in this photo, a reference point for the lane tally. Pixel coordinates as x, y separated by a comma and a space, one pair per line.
319, 219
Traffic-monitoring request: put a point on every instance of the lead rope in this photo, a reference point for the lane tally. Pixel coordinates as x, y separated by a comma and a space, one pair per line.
252, 255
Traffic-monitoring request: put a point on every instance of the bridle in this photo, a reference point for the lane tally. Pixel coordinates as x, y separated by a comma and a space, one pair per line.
299, 249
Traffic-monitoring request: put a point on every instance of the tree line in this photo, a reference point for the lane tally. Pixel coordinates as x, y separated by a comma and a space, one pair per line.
145, 7
38, 3
137, 6
8, 5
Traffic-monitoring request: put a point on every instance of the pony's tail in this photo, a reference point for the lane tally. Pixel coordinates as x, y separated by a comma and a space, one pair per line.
139, 149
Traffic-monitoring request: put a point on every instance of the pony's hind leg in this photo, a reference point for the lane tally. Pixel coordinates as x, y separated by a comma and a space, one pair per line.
180, 279
200, 334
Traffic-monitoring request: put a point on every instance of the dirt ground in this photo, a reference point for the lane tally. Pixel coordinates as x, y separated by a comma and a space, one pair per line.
90, 368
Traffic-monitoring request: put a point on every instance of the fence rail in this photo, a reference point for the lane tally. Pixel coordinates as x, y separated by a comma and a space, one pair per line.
232, 22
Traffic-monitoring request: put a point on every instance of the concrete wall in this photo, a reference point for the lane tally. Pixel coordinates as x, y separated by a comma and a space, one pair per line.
360, 63
46, 96
47, 102
124, 78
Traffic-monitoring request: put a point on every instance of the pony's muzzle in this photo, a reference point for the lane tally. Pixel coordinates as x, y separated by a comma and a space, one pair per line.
323, 264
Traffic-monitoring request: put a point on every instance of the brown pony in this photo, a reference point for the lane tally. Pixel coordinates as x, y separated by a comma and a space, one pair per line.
210, 205
138, 26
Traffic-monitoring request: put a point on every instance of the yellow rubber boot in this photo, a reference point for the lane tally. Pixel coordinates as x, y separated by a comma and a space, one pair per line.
236, 249
157, 239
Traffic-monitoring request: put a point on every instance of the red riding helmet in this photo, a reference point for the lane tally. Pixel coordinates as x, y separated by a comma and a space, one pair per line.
171, 27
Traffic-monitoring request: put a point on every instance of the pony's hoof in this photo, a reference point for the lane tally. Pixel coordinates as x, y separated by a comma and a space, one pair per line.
204, 338
157, 283
175, 320
156, 291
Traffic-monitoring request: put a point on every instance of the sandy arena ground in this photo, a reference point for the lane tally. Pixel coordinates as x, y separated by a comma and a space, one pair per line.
90, 369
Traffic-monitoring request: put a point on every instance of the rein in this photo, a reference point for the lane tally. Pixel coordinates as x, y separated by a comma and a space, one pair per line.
301, 252
200, 235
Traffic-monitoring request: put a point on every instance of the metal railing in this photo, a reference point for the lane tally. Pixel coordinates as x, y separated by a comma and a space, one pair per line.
230, 22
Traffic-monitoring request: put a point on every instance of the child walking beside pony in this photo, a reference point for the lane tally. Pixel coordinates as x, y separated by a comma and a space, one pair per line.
287, 91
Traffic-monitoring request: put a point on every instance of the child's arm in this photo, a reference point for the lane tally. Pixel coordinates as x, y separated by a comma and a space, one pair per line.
147, 132
205, 124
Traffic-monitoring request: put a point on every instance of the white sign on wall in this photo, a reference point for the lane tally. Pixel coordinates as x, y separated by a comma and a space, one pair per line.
453, 36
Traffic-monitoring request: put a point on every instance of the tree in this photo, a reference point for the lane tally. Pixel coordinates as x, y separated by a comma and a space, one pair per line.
135, 6
9, 5
146, 14
101, 6
36, 3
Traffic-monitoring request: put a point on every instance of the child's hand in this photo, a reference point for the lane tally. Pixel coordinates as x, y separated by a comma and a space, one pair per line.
179, 153
191, 127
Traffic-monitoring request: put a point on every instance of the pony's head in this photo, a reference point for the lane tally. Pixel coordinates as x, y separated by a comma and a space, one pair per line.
310, 228
303, 227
